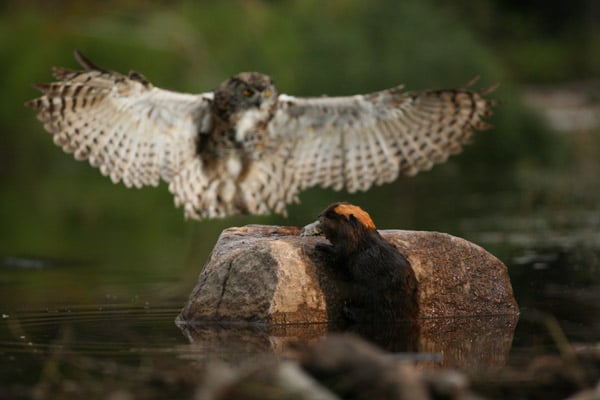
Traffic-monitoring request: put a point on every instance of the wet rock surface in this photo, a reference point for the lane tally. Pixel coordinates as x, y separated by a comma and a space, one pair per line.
269, 274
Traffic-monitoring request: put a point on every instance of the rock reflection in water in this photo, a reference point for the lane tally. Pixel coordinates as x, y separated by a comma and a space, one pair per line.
473, 343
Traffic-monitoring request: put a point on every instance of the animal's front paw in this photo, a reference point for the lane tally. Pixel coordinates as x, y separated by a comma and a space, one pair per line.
313, 229
325, 248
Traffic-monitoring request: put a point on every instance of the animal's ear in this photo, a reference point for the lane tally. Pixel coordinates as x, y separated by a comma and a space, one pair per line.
332, 215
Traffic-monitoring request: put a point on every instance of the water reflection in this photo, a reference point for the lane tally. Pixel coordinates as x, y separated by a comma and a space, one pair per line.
477, 343
94, 330
128, 334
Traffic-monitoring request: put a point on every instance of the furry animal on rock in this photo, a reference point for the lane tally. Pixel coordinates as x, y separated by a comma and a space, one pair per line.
383, 284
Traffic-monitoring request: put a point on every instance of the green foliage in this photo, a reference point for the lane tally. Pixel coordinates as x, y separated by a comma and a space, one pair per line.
539, 42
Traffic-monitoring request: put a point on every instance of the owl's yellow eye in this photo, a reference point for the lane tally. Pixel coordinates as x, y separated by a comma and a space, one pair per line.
247, 92
267, 93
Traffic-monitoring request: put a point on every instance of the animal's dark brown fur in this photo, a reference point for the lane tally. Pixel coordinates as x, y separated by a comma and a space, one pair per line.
383, 284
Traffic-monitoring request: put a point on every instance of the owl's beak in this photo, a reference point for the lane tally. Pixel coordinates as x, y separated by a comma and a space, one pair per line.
313, 229
265, 95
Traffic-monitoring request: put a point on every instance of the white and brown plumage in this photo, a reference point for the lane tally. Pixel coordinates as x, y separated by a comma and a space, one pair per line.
243, 148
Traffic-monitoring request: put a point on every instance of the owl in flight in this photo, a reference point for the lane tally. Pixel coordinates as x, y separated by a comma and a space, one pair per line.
245, 149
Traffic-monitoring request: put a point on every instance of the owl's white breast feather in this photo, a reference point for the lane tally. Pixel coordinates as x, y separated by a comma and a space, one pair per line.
248, 123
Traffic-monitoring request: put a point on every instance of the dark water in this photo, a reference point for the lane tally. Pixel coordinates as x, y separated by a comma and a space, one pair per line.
131, 334
72, 327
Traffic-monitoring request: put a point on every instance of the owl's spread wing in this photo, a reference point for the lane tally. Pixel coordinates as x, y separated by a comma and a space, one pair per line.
356, 141
133, 131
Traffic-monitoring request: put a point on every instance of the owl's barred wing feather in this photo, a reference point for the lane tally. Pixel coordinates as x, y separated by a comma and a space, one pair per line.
242, 148
133, 131
356, 141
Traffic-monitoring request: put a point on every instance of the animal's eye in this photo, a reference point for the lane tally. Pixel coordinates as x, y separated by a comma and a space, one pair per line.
267, 93
247, 92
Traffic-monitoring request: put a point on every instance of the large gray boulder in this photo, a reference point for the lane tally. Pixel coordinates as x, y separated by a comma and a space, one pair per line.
269, 274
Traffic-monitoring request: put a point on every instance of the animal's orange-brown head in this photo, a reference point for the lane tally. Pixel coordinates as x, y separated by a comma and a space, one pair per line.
350, 212
343, 224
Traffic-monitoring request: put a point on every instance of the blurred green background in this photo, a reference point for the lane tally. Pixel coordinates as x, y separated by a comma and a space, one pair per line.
91, 271
54, 208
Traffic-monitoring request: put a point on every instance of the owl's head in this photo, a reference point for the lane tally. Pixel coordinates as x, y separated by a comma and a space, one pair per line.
246, 91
